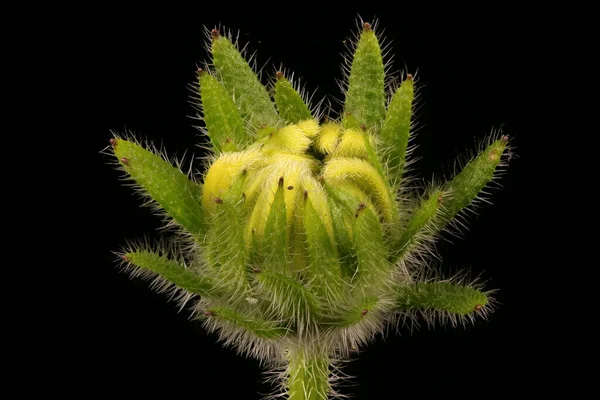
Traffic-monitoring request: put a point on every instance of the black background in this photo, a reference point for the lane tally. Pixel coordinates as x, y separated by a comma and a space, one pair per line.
470, 66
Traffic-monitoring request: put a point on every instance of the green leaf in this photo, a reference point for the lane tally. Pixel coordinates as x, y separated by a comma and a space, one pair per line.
172, 271
223, 121
365, 97
396, 130
257, 326
441, 296
242, 83
468, 183
170, 188
289, 103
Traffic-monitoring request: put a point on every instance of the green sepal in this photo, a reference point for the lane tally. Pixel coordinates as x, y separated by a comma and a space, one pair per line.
474, 176
395, 132
172, 271
365, 97
224, 247
323, 265
242, 83
271, 249
441, 296
224, 123
290, 104
170, 188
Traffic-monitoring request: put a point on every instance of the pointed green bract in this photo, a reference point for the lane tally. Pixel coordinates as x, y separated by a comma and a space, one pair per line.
224, 246
290, 105
365, 97
441, 296
223, 122
242, 83
323, 264
261, 328
273, 244
396, 130
164, 183
423, 219
172, 271
371, 253
469, 182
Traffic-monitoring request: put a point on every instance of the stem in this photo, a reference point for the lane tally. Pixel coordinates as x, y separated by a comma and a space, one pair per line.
308, 375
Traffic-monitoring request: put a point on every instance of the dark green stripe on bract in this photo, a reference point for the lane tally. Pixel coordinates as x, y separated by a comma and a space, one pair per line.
172, 271
164, 183
290, 105
223, 122
365, 97
242, 83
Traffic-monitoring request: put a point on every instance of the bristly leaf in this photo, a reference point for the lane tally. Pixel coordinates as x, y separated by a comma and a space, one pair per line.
365, 97
164, 183
224, 123
242, 83
450, 297
172, 271
422, 220
469, 182
290, 105
257, 326
396, 130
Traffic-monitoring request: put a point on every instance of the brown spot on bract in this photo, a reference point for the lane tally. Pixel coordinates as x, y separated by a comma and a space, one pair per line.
200, 71
290, 187
367, 26
227, 140
363, 127
256, 270
218, 200
279, 74
440, 199
125, 160
364, 312
215, 34
209, 313
409, 77
280, 183
125, 258
478, 307
305, 194
505, 138
113, 142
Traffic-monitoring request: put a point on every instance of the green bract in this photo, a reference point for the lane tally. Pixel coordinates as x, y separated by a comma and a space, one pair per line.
299, 243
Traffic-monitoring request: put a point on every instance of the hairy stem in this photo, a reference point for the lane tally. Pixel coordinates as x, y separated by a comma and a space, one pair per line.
308, 375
